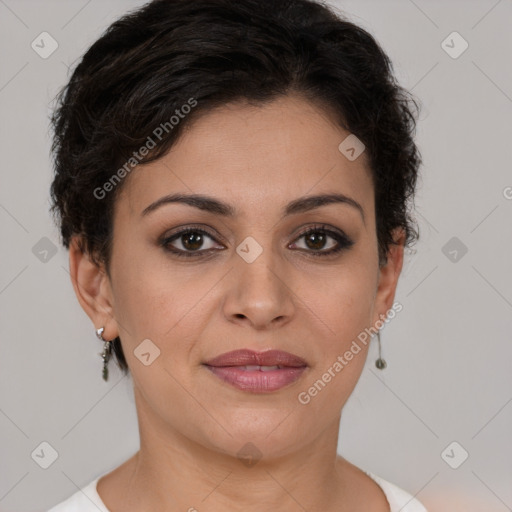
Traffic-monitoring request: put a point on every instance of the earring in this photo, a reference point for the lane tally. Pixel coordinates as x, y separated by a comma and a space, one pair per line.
107, 352
380, 363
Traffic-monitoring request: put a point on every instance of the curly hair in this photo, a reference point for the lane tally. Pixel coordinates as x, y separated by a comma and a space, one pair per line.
152, 61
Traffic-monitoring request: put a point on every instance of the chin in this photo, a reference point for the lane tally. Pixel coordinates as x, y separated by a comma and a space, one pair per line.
269, 438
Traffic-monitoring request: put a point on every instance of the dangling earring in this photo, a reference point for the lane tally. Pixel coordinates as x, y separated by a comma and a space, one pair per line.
380, 363
107, 352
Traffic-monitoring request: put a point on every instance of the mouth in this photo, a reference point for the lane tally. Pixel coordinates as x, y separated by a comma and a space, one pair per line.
257, 372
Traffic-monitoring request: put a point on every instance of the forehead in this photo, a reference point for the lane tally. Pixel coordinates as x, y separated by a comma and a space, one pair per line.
255, 157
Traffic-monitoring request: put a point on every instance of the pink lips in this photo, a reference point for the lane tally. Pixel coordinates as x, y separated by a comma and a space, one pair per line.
258, 372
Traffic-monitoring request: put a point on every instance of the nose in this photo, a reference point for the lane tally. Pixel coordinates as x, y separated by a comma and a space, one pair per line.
260, 293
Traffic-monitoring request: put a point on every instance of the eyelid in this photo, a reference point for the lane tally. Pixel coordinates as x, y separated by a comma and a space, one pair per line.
192, 227
321, 227
343, 241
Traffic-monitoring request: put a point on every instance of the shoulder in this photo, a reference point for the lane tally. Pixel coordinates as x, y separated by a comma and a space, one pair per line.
85, 499
399, 500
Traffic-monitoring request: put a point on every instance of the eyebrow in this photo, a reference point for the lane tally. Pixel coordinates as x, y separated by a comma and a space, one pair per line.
212, 205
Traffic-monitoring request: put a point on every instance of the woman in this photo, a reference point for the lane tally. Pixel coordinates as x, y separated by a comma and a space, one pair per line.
233, 183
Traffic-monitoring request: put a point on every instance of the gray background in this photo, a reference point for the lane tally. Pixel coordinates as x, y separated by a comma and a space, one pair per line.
449, 351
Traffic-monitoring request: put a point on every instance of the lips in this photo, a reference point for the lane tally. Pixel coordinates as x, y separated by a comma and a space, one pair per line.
250, 358
257, 372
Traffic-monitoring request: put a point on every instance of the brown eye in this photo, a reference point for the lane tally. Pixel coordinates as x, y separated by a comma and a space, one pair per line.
316, 238
189, 242
192, 241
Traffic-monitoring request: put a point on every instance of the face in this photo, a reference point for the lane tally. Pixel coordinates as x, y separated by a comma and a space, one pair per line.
247, 280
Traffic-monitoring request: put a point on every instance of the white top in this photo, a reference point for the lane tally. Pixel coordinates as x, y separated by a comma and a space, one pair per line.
87, 499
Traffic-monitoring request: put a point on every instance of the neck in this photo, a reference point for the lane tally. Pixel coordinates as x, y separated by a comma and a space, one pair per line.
173, 471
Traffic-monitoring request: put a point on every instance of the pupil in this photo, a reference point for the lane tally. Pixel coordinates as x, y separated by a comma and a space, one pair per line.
318, 240
192, 240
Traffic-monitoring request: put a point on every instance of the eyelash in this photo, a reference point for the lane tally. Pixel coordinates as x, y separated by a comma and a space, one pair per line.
343, 242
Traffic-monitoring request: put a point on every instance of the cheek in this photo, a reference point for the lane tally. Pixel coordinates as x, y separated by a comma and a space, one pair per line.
341, 351
159, 300
345, 304
345, 312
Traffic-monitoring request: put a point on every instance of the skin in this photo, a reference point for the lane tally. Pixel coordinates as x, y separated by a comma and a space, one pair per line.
192, 424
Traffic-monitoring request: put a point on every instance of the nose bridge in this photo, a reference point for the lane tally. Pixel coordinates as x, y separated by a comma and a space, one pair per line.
258, 264
259, 291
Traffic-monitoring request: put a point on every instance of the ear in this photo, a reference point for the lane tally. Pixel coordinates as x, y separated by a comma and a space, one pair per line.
388, 276
92, 288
